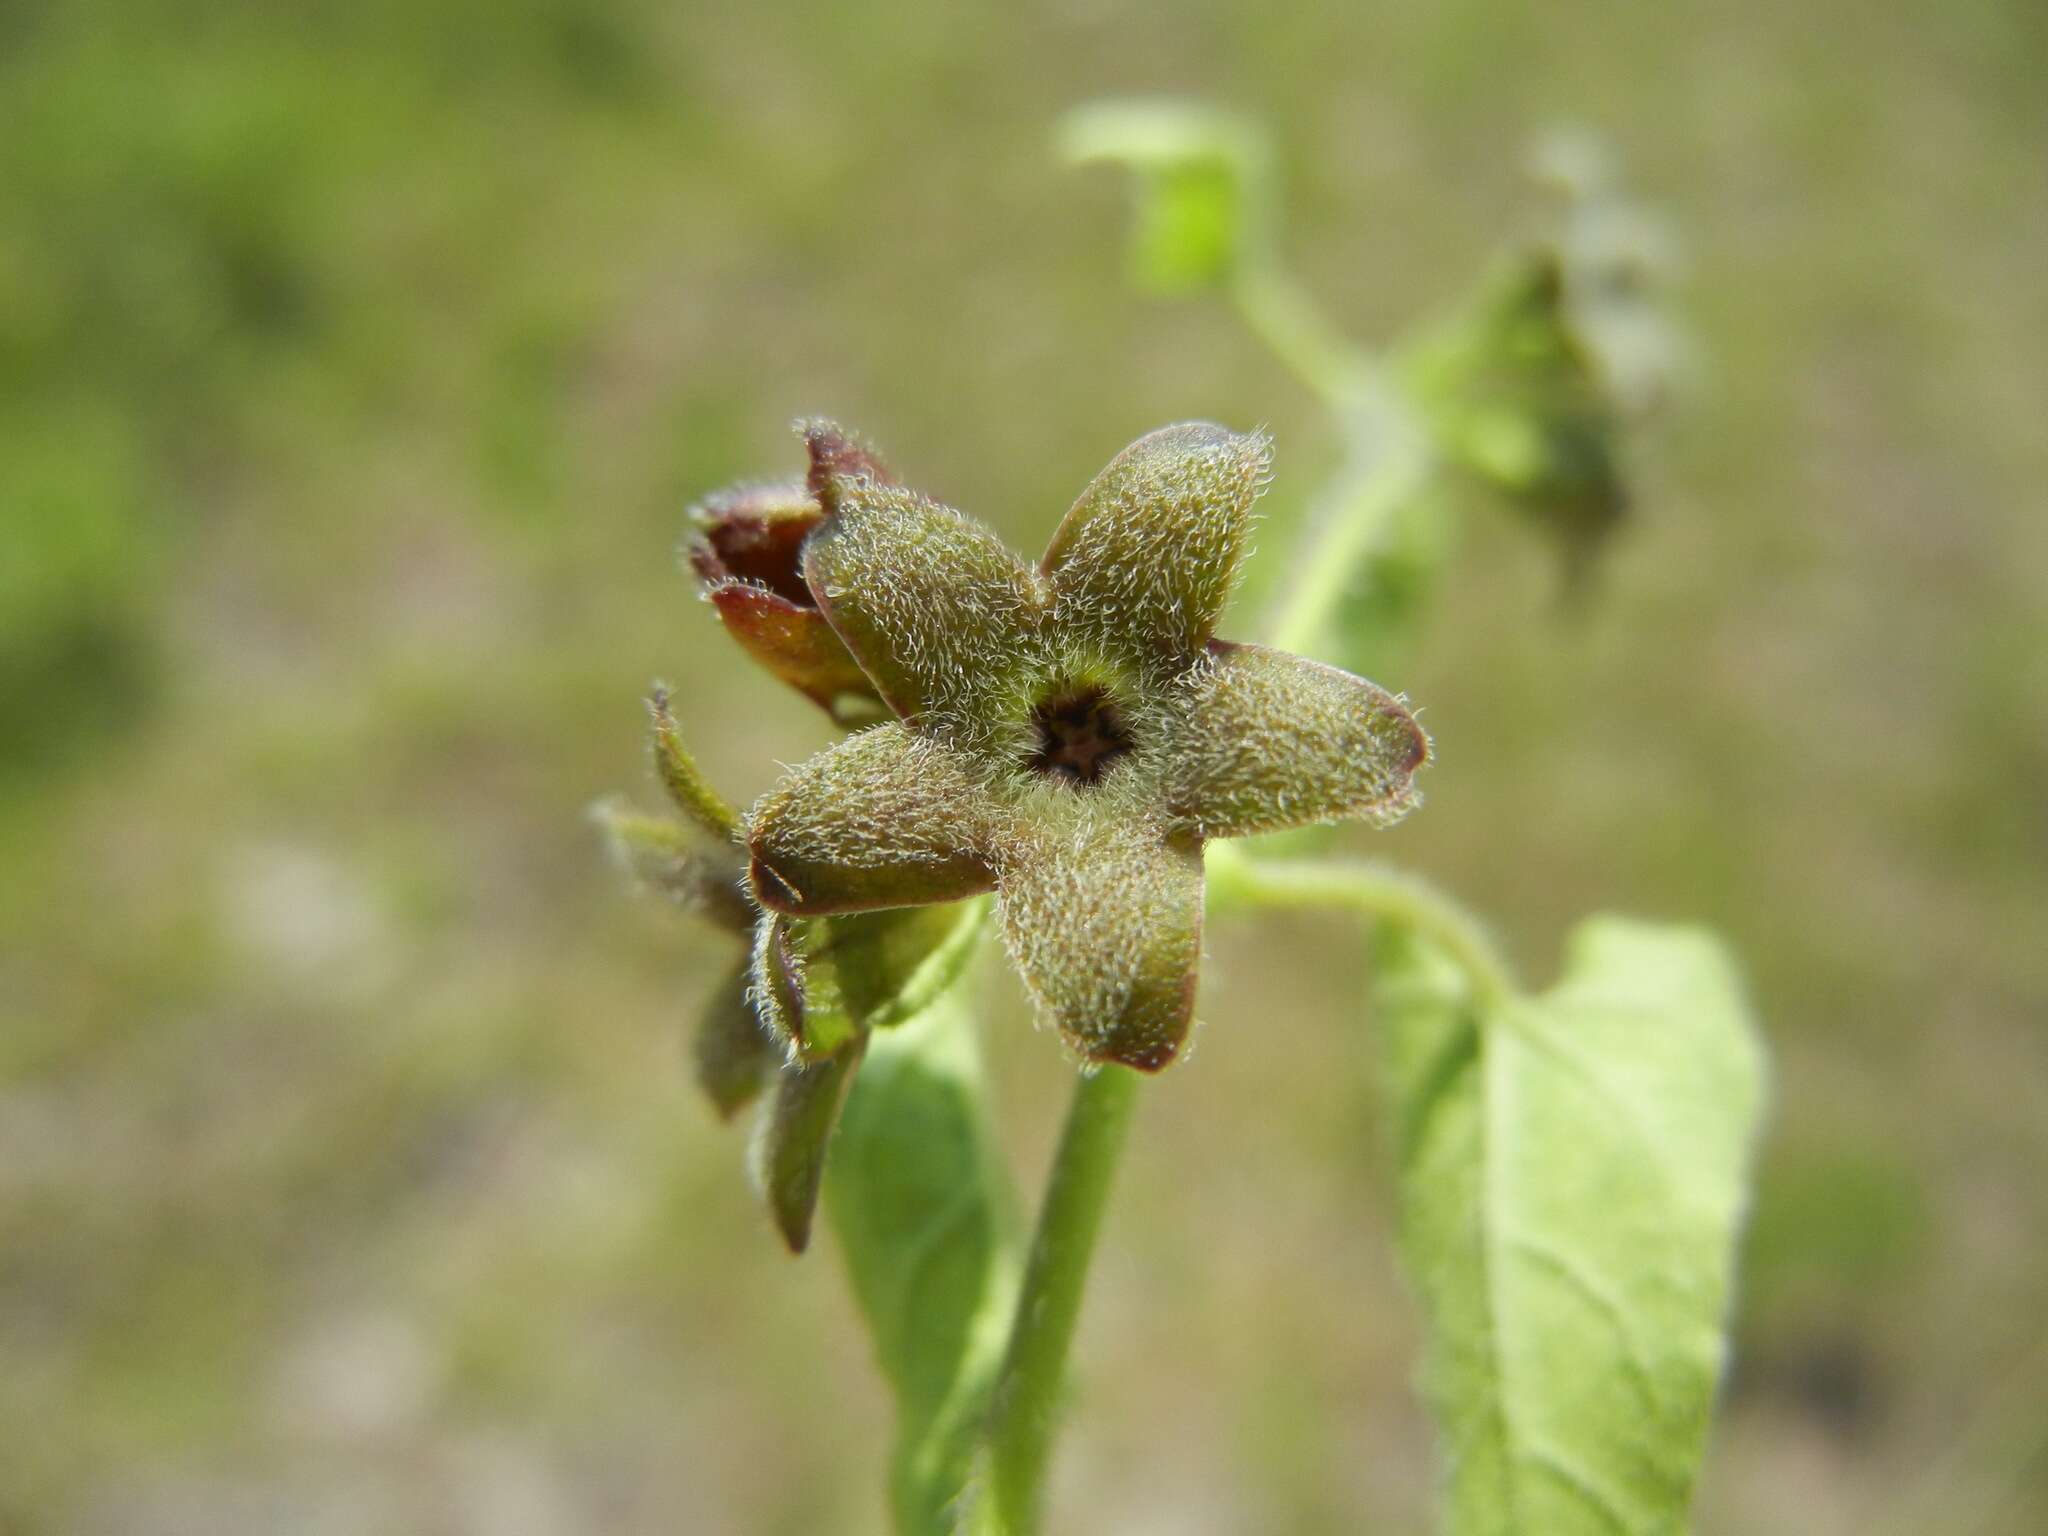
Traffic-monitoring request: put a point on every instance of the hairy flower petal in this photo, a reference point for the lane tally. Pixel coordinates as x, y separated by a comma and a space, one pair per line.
1104, 921
887, 818
1272, 741
1146, 559
941, 616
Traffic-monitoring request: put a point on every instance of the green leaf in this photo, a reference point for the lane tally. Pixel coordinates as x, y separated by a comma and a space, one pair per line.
1203, 184
925, 1217
1572, 1176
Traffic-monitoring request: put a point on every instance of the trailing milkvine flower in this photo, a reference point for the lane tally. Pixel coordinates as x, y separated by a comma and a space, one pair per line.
1068, 735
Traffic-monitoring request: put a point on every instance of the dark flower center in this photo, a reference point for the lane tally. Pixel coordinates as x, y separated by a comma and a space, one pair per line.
1080, 734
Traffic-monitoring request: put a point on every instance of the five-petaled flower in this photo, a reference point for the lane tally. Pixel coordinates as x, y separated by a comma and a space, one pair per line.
1067, 735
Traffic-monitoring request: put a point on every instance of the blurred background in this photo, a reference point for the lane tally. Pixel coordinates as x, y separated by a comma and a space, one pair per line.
356, 365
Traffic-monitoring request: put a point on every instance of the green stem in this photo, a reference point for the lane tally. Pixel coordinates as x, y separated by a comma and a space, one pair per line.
1283, 316
1388, 460
1387, 455
1373, 891
1025, 1408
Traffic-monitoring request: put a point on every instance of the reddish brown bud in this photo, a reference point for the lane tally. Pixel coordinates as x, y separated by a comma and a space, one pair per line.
748, 553
837, 454
753, 533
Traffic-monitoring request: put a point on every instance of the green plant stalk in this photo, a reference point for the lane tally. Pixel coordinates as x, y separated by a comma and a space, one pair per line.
1375, 891
1281, 313
1388, 461
1025, 1408
1388, 454
684, 780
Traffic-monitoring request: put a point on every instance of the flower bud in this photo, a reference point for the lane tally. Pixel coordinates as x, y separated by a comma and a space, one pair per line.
820, 986
747, 552
1518, 400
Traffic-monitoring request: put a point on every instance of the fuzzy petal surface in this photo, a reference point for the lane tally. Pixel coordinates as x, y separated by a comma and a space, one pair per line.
1271, 741
886, 818
1103, 918
940, 615
1146, 559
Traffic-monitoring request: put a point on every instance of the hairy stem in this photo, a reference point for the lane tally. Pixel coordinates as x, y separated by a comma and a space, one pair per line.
1373, 891
1025, 1409
684, 780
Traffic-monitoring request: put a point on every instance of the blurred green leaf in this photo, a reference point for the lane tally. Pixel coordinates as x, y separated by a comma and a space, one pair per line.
1202, 187
1572, 1169
1516, 399
924, 1213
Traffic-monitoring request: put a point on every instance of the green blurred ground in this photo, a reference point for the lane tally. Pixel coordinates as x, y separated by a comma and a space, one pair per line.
355, 365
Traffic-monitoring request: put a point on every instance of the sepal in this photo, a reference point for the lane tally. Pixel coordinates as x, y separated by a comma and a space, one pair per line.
794, 1134
1147, 556
940, 615
819, 983
678, 862
731, 1054
1272, 741
885, 818
1106, 929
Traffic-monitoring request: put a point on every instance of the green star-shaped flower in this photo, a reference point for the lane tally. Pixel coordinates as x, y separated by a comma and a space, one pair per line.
1070, 735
